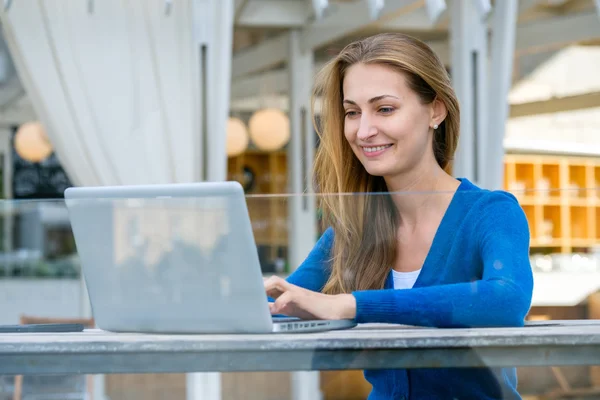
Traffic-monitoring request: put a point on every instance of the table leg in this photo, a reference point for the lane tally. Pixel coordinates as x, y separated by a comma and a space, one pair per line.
306, 385
203, 386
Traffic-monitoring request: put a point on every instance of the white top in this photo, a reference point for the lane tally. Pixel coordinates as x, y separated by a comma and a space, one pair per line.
405, 280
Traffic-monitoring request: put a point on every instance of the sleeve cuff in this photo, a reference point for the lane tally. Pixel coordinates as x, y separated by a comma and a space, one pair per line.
374, 306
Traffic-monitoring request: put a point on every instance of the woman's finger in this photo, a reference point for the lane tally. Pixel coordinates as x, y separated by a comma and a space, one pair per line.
281, 304
275, 286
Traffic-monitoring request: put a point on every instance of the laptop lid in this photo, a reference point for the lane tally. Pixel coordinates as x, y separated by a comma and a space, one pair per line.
169, 258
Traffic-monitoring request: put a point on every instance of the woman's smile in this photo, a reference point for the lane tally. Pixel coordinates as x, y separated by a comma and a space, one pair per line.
374, 151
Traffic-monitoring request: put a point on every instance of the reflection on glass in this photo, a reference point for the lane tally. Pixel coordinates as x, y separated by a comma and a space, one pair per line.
170, 246
150, 231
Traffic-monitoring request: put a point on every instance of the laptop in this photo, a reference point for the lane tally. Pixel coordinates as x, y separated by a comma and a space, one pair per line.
175, 258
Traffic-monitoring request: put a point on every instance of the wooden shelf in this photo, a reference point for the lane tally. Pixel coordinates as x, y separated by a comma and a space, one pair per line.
579, 222
551, 175
264, 173
559, 197
551, 222
524, 177
531, 218
577, 182
546, 243
597, 219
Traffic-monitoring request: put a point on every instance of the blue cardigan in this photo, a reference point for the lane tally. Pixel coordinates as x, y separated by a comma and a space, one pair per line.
476, 274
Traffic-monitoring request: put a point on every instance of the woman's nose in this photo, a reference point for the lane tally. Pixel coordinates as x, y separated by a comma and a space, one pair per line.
366, 130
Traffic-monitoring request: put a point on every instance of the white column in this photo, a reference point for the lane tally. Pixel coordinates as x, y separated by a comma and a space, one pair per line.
468, 45
7, 172
7, 206
504, 26
302, 205
203, 386
213, 29
215, 34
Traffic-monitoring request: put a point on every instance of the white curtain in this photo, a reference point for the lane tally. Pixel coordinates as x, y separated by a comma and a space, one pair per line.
130, 91
120, 85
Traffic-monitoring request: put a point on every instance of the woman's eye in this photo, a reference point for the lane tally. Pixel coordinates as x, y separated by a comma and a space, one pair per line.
351, 113
386, 110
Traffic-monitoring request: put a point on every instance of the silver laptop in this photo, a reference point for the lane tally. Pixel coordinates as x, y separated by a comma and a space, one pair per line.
177, 258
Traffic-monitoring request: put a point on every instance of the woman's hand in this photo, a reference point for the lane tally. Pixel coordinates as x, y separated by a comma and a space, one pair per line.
294, 301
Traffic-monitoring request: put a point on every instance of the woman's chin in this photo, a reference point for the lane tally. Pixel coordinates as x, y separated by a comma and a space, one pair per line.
377, 171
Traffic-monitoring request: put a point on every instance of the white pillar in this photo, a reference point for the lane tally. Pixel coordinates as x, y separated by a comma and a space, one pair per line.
468, 44
213, 28
219, 88
7, 206
7, 173
504, 26
302, 204
203, 386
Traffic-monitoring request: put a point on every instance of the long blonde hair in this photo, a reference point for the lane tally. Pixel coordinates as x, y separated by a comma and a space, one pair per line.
365, 225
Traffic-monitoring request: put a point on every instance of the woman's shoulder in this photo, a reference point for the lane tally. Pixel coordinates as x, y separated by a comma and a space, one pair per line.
475, 197
489, 207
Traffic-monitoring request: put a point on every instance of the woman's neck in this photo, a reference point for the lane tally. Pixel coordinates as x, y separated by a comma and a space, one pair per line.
417, 193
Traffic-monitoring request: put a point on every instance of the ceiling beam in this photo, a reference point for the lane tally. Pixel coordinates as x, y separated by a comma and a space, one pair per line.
549, 33
566, 29
527, 5
238, 8
267, 83
251, 104
341, 20
346, 19
264, 55
273, 14
556, 104
17, 116
532, 36
11, 92
270, 82
418, 20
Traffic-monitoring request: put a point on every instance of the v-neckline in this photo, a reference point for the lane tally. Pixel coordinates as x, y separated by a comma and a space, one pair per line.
433, 255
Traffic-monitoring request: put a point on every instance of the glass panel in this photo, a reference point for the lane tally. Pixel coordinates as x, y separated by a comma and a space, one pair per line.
195, 264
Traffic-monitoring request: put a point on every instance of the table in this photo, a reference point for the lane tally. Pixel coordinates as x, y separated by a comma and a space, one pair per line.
364, 347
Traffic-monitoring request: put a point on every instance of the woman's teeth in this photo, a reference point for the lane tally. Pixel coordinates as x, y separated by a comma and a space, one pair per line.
378, 148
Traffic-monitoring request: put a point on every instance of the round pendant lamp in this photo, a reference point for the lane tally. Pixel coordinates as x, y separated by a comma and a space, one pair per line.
269, 129
237, 137
31, 142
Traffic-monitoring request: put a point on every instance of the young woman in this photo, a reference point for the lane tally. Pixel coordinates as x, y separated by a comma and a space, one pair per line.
416, 246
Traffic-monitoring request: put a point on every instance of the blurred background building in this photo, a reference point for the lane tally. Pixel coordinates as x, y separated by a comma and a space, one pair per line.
108, 92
